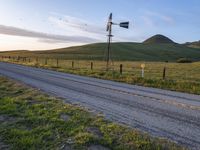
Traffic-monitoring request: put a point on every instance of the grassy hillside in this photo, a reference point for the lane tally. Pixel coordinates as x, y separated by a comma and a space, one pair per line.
120, 51
158, 39
193, 44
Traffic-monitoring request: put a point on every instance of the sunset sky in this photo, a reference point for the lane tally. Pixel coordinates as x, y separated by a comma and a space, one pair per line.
48, 24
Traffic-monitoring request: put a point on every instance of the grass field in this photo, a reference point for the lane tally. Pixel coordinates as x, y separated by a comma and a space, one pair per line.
120, 52
30, 119
179, 77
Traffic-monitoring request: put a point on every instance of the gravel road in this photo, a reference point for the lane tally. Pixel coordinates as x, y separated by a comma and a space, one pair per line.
161, 113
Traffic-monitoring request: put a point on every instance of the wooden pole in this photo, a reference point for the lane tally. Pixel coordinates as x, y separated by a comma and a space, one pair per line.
92, 65
121, 69
164, 73
73, 64
57, 63
46, 61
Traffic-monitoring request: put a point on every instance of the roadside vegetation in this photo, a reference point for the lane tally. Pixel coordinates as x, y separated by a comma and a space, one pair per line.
30, 119
182, 77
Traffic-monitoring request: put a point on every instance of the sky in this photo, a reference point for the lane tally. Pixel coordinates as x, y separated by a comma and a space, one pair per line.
49, 24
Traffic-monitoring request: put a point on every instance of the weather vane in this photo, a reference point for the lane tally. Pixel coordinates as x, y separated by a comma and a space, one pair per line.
109, 30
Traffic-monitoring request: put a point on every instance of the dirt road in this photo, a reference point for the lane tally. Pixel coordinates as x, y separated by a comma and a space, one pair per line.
161, 113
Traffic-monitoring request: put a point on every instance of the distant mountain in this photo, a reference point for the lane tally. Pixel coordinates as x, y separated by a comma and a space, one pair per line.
159, 39
193, 44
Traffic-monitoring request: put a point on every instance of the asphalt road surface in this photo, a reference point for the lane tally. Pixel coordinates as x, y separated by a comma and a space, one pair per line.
161, 113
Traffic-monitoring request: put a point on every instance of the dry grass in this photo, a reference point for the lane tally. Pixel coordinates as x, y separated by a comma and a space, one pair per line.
179, 77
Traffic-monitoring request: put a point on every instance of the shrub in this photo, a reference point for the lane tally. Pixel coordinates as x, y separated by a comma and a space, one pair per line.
184, 60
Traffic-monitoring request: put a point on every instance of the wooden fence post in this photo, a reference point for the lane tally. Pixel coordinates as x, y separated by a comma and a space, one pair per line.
46, 61
164, 73
92, 65
121, 69
57, 63
73, 64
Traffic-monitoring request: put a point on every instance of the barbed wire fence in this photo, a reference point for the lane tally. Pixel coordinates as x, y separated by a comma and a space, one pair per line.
163, 71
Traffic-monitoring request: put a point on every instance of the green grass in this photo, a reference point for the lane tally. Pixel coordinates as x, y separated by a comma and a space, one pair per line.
120, 52
30, 119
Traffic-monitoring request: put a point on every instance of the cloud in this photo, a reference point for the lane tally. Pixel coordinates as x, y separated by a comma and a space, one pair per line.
77, 25
95, 29
45, 37
165, 18
148, 21
153, 19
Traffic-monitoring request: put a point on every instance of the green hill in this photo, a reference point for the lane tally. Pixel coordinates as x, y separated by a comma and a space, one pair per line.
120, 51
158, 39
193, 44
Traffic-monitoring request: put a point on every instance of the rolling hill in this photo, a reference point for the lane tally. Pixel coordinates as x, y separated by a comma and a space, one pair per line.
193, 44
158, 39
157, 48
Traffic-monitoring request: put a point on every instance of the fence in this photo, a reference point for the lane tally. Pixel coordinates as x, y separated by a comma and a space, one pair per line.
153, 70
